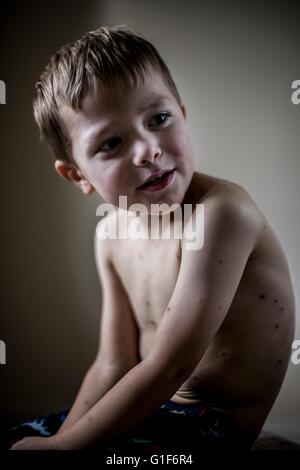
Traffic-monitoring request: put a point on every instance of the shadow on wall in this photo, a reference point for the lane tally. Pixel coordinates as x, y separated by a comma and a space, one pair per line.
49, 287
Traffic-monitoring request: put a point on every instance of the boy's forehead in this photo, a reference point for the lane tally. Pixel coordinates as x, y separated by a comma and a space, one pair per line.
100, 102
105, 100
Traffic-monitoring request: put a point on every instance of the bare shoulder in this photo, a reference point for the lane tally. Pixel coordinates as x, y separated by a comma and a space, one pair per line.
227, 204
212, 187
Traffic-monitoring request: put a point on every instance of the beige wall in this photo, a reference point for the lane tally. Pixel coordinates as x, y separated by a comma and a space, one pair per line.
234, 67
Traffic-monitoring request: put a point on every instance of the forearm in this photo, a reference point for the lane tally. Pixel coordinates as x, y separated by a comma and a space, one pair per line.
135, 397
97, 382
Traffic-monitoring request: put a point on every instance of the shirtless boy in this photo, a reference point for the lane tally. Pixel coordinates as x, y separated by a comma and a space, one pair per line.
211, 327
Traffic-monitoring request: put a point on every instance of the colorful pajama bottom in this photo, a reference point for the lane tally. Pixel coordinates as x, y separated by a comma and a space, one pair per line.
173, 427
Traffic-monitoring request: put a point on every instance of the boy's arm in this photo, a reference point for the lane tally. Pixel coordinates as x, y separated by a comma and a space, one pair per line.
205, 288
118, 352
97, 381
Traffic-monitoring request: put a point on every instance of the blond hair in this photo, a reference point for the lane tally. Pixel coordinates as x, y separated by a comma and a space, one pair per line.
106, 55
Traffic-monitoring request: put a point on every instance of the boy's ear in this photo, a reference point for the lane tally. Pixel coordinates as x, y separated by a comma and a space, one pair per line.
73, 174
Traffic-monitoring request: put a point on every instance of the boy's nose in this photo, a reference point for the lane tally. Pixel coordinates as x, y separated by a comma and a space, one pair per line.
145, 152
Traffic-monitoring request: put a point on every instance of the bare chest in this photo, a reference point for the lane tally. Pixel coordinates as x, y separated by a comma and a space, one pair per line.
149, 271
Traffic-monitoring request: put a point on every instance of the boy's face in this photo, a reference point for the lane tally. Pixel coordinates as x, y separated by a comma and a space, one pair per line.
119, 140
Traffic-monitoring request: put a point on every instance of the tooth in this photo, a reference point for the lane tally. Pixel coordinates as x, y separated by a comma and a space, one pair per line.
154, 179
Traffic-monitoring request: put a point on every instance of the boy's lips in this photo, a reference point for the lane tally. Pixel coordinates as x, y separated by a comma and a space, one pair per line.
157, 180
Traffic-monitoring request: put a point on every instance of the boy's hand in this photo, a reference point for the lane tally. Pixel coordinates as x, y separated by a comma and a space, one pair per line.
36, 443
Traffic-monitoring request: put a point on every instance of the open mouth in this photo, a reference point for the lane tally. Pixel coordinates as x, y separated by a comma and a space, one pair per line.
158, 183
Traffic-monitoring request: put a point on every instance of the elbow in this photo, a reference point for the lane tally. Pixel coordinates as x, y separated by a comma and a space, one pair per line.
172, 372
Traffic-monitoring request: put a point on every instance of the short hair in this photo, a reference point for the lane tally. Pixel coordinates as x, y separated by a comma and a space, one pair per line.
108, 55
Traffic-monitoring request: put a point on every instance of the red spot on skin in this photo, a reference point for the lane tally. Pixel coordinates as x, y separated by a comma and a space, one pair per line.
168, 308
277, 326
223, 354
275, 301
282, 308
279, 362
220, 261
220, 307
262, 296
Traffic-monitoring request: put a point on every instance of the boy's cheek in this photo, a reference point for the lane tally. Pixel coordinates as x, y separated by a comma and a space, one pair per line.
111, 189
180, 144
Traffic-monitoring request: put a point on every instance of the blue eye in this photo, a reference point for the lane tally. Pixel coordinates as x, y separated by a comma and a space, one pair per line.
111, 144
159, 119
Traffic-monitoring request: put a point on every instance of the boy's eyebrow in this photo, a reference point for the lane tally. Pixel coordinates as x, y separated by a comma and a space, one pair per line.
94, 136
158, 102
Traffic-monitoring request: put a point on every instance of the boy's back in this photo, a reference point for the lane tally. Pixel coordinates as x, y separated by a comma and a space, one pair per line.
243, 367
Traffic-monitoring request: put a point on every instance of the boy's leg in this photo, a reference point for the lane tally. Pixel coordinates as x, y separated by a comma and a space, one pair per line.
173, 426
176, 427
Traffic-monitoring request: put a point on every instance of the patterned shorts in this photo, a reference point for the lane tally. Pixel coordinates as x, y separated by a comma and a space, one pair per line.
173, 426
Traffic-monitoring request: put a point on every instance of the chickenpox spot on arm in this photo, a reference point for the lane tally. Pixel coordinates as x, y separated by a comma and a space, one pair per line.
223, 353
168, 309
277, 326
282, 308
220, 307
279, 362
220, 261
275, 301
86, 403
262, 296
